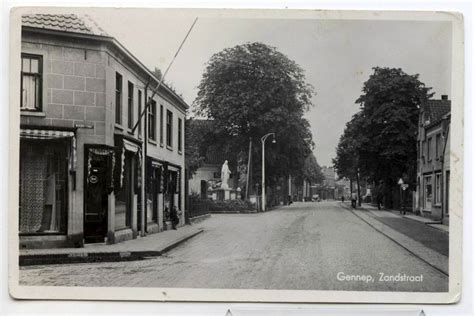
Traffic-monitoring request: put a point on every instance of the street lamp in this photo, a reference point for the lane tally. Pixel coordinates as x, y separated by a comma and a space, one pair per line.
264, 138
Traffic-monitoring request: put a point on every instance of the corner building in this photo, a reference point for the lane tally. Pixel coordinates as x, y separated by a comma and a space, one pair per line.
84, 175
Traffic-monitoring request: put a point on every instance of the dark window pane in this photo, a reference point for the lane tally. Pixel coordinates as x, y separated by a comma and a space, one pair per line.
118, 98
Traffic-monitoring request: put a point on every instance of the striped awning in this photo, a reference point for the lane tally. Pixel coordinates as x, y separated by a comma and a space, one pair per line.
44, 134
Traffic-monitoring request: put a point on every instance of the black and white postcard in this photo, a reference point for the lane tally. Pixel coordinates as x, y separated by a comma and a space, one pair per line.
236, 155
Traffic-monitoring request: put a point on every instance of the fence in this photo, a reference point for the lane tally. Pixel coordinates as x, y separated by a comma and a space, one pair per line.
198, 207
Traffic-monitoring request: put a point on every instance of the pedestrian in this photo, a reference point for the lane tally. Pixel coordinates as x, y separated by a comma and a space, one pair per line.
403, 209
354, 200
379, 199
174, 217
342, 199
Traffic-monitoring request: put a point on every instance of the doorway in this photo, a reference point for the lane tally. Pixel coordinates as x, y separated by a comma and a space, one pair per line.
95, 213
98, 170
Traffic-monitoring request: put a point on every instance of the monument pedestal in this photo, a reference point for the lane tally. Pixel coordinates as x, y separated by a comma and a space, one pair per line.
222, 194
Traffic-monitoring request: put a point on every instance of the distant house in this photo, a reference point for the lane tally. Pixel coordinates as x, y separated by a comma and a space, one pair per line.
343, 189
209, 174
433, 171
326, 190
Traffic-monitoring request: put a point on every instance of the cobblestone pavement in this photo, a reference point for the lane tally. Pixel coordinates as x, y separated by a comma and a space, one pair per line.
304, 246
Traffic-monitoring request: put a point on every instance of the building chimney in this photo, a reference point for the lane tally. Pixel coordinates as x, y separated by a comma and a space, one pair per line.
444, 97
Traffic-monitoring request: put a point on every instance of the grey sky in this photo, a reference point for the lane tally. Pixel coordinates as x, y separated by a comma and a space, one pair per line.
337, 55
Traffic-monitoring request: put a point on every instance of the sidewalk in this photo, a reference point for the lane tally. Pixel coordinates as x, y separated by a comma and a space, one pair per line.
135, 249
424, 220
427, 243
416, 227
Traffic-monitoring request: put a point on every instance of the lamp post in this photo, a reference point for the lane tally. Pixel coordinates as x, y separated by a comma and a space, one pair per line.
264, 138
401, 183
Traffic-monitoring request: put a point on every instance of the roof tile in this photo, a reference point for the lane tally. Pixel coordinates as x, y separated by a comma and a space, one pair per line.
436, 109
63, 22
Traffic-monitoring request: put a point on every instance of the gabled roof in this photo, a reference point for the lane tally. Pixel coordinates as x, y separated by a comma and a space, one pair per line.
435, 110
63, 22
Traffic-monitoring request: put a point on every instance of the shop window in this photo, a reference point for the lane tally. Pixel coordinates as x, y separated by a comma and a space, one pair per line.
123, 199
447, 192
31, 82
428, 192
43, 187
438, 189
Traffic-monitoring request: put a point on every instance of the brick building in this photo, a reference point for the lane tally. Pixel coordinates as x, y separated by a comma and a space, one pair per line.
433, 171
83, 175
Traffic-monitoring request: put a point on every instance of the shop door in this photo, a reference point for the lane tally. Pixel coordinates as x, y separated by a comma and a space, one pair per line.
95, 213
155, 191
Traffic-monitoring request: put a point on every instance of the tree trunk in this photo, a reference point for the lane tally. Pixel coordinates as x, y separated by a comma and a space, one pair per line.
358, 189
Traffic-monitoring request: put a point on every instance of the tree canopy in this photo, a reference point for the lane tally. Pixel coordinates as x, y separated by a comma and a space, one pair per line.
380, 140
312, 170
250, 90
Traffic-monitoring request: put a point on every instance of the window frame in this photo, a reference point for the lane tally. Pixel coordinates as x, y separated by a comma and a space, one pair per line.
152, 120
180, 135
61, 147
139, 112
438, 145
130, 116
169, 129
438, 191
38, 76
428, 151
161, 125
118, 98
427, 182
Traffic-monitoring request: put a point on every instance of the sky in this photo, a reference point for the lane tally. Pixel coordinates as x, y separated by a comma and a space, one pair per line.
336, 55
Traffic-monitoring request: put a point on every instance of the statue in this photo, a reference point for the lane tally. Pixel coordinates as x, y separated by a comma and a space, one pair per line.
225, 174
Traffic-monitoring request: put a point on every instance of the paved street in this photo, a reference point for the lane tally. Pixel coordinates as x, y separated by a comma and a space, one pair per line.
305, 246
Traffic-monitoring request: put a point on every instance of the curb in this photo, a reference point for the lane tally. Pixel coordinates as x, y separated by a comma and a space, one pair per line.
437, 228
91, 257
200, 218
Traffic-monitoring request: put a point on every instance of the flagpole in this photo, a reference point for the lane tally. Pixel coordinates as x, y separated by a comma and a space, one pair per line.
147, 104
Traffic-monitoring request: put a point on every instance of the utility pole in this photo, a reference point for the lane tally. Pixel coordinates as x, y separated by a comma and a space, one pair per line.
163, 77
145, 132
264, 138
143, 199
248, 170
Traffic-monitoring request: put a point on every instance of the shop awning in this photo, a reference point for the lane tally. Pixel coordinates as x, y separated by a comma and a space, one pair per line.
156, 164
128, 145
44, 134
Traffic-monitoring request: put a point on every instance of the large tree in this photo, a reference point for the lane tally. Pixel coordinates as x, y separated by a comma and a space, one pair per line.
250, 90
385, 137
347, 161
312, 170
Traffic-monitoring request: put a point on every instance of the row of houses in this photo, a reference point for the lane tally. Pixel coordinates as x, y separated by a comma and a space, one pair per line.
431, 198
85, 174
